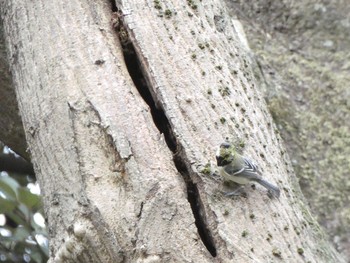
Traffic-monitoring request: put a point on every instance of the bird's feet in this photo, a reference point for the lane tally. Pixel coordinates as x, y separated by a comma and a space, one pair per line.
237, 192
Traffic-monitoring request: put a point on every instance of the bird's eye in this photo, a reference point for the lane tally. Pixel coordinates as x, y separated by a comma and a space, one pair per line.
225, 145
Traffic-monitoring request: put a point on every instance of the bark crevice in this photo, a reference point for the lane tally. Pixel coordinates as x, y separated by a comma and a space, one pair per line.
135, 69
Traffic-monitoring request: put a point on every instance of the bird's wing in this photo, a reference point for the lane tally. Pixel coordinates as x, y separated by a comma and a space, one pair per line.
249, 166
249, 170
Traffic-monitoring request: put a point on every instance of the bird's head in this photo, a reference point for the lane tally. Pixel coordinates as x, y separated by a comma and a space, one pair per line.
225, 154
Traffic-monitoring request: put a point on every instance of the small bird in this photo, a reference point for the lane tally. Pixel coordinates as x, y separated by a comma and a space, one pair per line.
239, 169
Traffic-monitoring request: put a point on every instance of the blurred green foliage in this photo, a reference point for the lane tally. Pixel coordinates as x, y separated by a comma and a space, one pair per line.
23, 236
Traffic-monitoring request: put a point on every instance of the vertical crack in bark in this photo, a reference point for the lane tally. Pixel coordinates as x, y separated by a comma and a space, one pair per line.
195, 201
161, 121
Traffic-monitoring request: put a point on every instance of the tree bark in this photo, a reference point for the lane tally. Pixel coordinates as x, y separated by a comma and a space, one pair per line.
119, 153
11, 128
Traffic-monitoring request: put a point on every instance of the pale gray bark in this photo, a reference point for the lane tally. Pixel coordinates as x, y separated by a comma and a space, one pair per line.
112, 189
11, 128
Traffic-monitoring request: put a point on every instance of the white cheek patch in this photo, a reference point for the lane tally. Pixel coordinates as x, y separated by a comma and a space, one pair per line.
218, 152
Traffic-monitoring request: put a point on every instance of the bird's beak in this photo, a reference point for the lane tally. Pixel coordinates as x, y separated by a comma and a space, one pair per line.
221, 154
220, 161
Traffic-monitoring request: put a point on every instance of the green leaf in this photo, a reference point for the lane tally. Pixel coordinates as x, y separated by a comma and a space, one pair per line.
26, 213
36, 257
8, 187
27, 198
6, 235
21, 233
16, 216
45, 249
7, 205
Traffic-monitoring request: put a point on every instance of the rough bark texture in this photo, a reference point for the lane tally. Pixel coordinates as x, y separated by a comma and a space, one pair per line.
114, 188
11, 128
303, 51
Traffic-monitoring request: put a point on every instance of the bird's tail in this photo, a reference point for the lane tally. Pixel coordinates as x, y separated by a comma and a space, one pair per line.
268, 186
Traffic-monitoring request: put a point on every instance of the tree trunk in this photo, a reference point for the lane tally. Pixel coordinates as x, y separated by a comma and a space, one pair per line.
119, 140
11, 128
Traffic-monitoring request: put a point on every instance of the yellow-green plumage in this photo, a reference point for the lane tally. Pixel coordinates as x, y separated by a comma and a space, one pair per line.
239, 169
